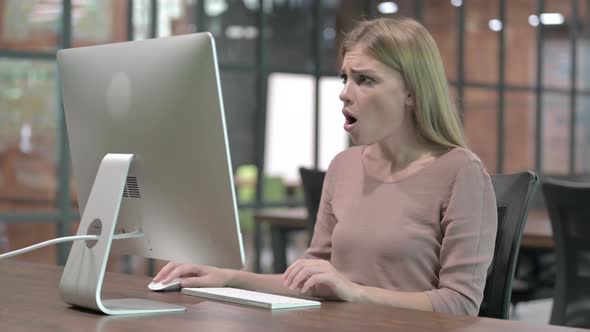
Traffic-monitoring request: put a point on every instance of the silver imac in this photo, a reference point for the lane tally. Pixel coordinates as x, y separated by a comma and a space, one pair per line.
150, 156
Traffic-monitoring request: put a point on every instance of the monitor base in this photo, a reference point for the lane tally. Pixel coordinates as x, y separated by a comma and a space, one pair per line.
83, 275
132, 306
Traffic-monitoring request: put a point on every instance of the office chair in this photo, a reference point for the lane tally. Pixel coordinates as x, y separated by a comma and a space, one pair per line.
536, 267
569, 211
312, 181
513, 197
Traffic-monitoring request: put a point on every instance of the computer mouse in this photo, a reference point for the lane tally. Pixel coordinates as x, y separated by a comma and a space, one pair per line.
174, 285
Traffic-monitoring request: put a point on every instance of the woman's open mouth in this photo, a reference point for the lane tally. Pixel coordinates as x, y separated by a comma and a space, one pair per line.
349, 121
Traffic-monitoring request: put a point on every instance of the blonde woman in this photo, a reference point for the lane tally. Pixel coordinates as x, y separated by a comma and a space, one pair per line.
408, 216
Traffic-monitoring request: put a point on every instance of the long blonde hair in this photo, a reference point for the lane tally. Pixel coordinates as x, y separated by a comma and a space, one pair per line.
406, 46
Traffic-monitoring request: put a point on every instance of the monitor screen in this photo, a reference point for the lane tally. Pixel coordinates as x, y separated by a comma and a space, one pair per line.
159, 100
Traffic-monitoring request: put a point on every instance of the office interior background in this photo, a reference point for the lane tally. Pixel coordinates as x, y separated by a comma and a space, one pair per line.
519, 71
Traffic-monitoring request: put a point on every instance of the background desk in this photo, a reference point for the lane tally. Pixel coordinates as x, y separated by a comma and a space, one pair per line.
29, 301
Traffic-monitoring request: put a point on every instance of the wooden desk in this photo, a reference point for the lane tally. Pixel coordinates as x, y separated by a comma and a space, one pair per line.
537, 231
29, 301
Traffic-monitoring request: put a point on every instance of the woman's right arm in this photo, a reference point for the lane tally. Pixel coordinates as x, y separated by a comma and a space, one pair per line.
268, 283
207, 276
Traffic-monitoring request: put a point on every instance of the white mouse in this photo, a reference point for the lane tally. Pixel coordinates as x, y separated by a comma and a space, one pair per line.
173, 285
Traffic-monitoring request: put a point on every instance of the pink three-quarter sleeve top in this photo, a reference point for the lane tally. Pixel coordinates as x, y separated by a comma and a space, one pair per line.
432, 231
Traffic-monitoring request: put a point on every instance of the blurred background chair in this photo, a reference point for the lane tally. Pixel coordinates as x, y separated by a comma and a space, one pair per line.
536, 267
513, 197
569, 210
312, 181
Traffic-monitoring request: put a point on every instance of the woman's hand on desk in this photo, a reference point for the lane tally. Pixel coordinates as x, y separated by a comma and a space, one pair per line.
318, 278
193, 275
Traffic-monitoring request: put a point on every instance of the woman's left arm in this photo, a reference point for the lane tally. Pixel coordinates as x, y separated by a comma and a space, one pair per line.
318, 278
468, 226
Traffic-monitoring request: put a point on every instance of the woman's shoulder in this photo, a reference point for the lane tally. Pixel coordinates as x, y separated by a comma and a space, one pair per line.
346, 163
347, 155
460, 159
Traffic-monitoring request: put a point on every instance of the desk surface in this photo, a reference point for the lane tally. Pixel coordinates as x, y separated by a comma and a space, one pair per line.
29, 301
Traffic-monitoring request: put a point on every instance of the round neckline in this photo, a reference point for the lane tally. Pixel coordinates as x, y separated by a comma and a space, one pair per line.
427, 166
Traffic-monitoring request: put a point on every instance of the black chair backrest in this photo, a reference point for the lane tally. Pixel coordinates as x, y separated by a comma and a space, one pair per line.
312, 181
568, 204
513, 196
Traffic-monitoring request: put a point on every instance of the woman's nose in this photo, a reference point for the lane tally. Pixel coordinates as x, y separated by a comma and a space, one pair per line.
345, 95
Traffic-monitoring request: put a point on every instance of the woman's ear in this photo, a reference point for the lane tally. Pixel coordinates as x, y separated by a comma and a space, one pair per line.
410, 100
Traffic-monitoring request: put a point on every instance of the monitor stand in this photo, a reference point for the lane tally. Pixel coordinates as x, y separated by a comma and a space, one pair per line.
84, 272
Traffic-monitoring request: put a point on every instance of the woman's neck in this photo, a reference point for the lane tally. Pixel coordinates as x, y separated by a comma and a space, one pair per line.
393, 159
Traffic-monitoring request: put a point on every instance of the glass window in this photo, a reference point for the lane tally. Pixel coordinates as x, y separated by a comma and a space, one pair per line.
289, 130
239, 99
241, 114
519, 131
557, 60
177, 17
27, 131
333, 138
583, 48
338, 17
556, 133
521, 43
98, 22
234, 24
289, 38
440, 18
141, 19
405, 8
582, 138
481, 41
480, 121
30, 25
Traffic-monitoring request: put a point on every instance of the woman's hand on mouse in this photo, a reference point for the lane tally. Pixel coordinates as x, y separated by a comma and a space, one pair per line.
193, 275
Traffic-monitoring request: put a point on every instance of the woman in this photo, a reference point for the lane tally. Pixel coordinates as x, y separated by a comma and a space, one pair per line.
408, 217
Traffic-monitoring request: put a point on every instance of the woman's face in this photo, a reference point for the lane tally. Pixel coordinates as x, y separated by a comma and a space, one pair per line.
376, 103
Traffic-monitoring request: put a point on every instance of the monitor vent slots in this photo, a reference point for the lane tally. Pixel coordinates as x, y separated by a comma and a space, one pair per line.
131, 188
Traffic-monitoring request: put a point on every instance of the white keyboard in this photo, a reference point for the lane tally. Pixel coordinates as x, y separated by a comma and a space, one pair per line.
246, 297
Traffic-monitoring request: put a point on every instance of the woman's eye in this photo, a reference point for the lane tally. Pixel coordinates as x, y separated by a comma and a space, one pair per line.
365, 80
343, 78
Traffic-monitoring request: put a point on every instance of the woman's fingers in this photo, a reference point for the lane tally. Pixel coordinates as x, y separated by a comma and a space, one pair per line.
165, 271
292, 271
314, 280
304, 270
291, 267
183, 270
303, 275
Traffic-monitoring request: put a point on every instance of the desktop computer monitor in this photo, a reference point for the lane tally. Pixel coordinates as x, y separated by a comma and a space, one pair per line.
150, 157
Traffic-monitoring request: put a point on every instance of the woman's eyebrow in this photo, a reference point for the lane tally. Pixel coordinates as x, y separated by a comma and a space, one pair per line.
366, 71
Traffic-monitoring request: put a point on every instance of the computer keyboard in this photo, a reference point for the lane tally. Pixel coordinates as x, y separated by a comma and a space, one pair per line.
246, 297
